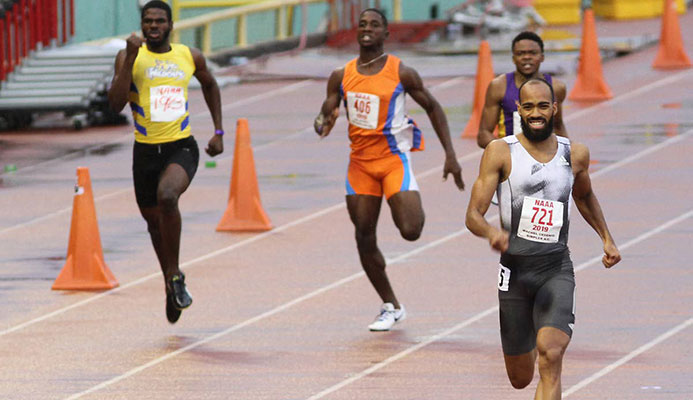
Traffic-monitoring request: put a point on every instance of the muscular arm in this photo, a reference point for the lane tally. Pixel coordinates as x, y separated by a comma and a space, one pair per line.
330, 106
494, 169
210, 91
210, 88
413, 85
491, 111
560, 92
588, 205
122, 73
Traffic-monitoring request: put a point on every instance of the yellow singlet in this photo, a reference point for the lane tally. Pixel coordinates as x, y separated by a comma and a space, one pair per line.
159, 94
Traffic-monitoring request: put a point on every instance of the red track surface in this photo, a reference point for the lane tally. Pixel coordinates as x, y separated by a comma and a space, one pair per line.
283, 315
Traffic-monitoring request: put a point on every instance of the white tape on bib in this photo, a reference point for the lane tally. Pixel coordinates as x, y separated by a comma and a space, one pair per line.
517, 126
363, 109
166, 103
541, 220
503, 278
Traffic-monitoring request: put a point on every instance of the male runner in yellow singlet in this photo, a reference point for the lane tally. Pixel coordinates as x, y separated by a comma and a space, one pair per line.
152, 74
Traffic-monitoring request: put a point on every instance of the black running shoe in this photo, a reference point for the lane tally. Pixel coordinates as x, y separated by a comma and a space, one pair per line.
172, 313
181, 296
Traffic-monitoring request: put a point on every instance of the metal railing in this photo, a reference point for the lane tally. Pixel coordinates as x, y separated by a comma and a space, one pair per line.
26, 25
343, 14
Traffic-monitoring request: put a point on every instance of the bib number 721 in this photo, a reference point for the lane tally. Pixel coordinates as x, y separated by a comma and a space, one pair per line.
541, 220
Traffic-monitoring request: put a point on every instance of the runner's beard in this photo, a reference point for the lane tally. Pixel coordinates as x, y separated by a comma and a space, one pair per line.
162, 39
535, 135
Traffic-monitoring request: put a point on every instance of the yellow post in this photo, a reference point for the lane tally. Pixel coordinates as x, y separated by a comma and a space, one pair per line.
207, 39
242, 30
175, 14
281, 23
175, 9
397, 10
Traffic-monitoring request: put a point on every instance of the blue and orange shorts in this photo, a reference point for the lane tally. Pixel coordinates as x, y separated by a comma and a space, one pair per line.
386, 176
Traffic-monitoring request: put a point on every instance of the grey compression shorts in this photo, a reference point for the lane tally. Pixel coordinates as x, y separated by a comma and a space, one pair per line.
534, 292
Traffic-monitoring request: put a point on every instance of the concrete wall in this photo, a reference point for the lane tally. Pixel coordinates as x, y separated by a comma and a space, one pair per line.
96, 19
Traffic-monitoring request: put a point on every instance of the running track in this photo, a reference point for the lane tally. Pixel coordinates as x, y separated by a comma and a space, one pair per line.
283, 314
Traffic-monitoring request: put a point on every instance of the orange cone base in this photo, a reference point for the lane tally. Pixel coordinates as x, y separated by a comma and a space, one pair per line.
256, 221
99, 277
239, 225
679, 62
595, 92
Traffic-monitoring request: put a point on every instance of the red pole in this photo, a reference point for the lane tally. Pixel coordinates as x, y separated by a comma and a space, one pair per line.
32, 25
55, 19
41, 20
64, 19
17, 34
46, 5
25, 28
72, 18
8, 27
2, 49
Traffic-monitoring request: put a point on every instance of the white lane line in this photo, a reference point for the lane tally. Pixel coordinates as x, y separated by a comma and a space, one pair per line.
128, 136
404, 353
262, 96
334, 285
265, 315
486, 313
59, 212
645, 152
647, 346
237, 245
637, 92
195, 261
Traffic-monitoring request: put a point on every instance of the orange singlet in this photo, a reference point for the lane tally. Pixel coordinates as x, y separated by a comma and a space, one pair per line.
381, 134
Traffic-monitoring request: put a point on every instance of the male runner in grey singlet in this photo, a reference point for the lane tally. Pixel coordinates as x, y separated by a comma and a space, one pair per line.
534, 173
499, 107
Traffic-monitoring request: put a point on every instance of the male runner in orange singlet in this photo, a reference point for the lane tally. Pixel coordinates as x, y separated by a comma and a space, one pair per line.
373, 87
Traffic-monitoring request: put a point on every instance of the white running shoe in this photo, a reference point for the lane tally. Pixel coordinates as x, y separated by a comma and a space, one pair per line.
388, 317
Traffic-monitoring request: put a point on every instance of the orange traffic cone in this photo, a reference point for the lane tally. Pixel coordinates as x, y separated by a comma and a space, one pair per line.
590, 84
484, 76
84, 268
671, 54
244, 212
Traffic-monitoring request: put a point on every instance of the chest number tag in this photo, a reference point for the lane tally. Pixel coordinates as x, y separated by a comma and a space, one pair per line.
363, 109
541, 220
166, 103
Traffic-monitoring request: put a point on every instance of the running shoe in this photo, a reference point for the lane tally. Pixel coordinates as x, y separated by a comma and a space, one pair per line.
180, 294
172, 313
388, 317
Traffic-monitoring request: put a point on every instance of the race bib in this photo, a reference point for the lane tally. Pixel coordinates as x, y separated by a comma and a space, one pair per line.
541, 220
363, 109
503, 278
166, 103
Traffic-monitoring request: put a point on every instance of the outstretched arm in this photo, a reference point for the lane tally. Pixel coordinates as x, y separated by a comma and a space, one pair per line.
494, 169
560, 92
491, 111
122, 73
413, 85
588, 205
330, 107
210, 90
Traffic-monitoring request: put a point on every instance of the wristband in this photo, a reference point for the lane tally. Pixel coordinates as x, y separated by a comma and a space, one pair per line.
219, 132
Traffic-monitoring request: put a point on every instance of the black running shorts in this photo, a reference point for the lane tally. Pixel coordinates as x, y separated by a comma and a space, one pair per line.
150, 160
534, 292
